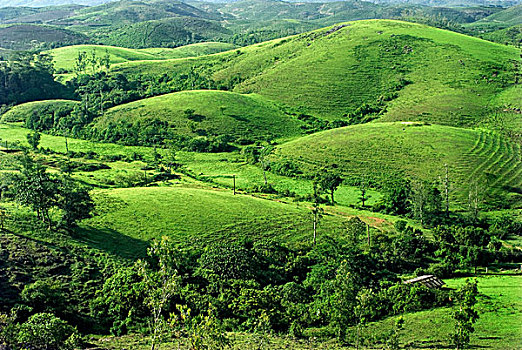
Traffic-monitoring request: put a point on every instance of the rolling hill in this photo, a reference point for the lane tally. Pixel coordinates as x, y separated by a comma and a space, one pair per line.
397, 70
384, 151
207, 113
65, 57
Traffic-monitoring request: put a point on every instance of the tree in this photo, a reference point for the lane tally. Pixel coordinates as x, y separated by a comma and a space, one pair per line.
162, 283
75, 202
317, 211
446, 189
36, 188
34, 140
395, 198
329, 181
464, 314
46, 331
363, 187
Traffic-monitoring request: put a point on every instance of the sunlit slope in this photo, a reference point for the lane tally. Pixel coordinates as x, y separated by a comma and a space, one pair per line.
65, 57
205, 112
387, 151
415, 71
194, 216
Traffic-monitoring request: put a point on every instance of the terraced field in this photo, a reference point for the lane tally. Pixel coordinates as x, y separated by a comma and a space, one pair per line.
382, 150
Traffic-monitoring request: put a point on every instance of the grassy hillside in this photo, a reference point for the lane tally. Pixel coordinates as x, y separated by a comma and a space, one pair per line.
503, 19
392, 150
65, 57
194, 216
23, 111
216, 113
402, 69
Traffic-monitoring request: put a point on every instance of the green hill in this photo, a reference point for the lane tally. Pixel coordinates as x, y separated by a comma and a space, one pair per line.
509, 17
65, 57
404, 71
204, 113
384, 151
22, 112
118, 13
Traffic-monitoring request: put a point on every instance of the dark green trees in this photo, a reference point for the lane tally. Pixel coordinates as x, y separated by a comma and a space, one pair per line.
329, 181
41, 191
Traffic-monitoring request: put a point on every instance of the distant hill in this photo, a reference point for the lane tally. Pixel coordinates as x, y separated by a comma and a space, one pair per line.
32, 37
168, 32
42, 3
509, 17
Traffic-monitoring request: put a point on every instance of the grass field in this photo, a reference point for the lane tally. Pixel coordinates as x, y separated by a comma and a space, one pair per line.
129, 218
429, 74
380, 150
214, 112
65, 57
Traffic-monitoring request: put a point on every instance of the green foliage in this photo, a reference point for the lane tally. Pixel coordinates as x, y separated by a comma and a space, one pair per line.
44, 331
328, 181
33, 140
465, 314
28, 77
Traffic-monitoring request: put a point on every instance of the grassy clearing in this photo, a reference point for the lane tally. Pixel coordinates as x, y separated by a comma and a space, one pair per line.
219, 167
214, 113
16, 134
129, 218
381, 150
65, 57
500, 309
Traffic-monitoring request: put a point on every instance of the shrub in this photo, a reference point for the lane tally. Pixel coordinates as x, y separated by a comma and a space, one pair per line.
46, 331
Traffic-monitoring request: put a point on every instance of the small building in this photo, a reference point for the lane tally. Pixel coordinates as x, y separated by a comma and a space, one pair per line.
429, 281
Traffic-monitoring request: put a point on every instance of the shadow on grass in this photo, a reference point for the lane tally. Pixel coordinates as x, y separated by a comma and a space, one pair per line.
112, 241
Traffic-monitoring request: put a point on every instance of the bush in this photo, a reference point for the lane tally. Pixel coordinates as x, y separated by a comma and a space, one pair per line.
46, 331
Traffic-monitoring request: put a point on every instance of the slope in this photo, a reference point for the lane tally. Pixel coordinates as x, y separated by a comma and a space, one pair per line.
401, 69
193, 216
24, 111
65, 57
192, 113
384, 151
